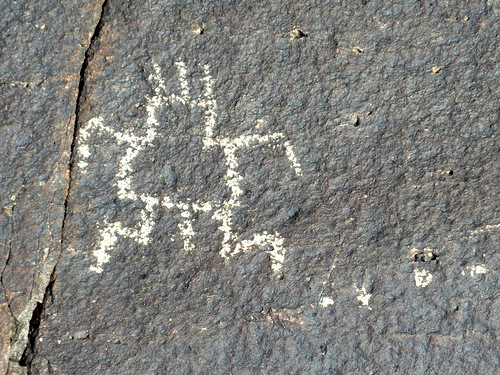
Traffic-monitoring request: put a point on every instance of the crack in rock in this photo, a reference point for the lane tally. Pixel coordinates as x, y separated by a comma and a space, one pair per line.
23, 343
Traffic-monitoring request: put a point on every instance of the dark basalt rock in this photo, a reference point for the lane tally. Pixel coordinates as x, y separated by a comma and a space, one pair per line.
272, 188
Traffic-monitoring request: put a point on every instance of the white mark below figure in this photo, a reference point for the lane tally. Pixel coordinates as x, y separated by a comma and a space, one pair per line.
325, 302
476, 269
363, 296
422, 278
484, 229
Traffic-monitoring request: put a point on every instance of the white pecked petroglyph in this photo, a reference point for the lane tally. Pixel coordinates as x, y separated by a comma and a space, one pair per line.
476, 269
326, 301
363, 296
137, 140
422, 278
483, 229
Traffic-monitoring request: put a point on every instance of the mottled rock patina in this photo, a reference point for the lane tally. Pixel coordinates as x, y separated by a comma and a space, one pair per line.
281, 188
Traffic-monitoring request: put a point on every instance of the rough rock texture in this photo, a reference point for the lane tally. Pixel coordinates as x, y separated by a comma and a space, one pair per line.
272, 188
42, 47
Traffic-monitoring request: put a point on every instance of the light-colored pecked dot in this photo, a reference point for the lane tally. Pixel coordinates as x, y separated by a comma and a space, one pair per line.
422, 278
436, 69
326, 301
297, 33
363, 296
476, 269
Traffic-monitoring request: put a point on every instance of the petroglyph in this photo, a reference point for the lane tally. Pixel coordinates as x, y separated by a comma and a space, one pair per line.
422, 278
476, 269
325, 301
483, 229
136, 141
363, 296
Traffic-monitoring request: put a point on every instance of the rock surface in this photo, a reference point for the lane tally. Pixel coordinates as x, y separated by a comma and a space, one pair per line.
43, 44
222, 187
